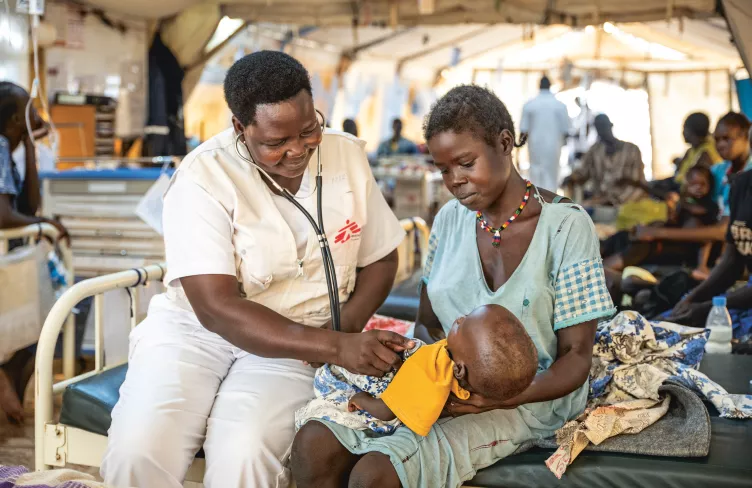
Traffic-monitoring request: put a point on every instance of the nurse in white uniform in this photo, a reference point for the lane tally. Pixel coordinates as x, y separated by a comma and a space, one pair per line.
219, 361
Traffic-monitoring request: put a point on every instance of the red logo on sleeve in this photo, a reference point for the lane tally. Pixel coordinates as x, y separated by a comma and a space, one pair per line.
348, 231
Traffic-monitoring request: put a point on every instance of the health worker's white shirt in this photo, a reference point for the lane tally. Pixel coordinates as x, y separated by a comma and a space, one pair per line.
220, 217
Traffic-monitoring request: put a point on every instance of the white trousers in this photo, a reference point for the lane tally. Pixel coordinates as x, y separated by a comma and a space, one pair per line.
187, 388
544, 166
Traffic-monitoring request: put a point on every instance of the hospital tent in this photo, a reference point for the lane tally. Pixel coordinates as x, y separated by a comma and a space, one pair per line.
381, 59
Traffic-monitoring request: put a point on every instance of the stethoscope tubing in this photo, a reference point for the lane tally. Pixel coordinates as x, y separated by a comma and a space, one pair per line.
318, 227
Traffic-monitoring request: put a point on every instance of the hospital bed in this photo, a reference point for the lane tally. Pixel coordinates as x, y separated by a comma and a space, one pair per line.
79, 437
37, 231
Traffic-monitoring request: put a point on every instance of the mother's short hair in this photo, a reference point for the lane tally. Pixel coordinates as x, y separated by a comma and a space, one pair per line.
470, 108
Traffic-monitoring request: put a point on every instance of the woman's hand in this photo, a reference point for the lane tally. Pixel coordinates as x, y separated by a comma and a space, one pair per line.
62, 231
645, 233
456, 407
373, 353
692, 314
683, 307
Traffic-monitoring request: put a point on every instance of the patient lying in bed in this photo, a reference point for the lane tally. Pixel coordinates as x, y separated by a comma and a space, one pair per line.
487, 352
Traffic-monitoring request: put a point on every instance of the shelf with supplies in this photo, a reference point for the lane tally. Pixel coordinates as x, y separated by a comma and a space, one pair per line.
98, 209
412, 184
86, 126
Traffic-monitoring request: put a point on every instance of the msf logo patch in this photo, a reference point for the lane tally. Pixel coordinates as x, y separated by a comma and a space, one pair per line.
349, 231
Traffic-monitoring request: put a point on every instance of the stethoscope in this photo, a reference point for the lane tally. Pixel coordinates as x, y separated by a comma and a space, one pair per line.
326, 253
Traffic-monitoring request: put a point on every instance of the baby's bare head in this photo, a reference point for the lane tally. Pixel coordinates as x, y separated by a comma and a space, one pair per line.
493, 354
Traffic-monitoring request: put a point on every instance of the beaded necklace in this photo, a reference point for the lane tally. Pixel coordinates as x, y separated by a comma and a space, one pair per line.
496, 232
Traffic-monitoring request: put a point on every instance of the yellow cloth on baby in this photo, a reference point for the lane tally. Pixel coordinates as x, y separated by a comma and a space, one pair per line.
419, 390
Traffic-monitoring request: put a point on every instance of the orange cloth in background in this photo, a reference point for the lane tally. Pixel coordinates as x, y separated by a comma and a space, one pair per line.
420, 389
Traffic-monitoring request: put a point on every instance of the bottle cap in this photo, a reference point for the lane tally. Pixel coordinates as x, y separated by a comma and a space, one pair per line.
719, 301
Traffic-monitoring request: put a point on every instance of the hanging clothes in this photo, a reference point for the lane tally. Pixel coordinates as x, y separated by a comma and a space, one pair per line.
164, 131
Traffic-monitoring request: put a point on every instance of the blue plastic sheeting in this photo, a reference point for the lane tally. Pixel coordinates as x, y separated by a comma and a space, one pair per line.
744, 92
106, 174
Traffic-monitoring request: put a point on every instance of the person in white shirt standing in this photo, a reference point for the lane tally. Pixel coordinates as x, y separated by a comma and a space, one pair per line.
545, 124
220, 361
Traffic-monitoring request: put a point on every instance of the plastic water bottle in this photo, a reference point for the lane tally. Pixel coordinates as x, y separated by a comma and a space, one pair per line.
719, 324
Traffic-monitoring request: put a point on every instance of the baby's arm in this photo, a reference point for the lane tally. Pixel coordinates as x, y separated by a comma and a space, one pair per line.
375, 406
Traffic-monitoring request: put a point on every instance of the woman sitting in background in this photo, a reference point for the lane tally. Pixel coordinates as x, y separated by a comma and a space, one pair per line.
702, 152
694, 308
19, 203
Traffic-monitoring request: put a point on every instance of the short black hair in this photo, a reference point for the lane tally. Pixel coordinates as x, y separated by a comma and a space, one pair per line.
349, 126
470, 108
698, 123
261, 78
735, 119
545, 83
10, 98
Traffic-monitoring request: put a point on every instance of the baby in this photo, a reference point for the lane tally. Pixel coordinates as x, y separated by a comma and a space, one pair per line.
487, 352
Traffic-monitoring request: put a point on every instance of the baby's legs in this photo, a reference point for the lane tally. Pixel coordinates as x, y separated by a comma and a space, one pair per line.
702, 271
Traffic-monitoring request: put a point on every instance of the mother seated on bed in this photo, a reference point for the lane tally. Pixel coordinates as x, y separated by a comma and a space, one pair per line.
504, 242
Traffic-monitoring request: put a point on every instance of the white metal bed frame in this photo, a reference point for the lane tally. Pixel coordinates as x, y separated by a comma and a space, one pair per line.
57, 444
69, 328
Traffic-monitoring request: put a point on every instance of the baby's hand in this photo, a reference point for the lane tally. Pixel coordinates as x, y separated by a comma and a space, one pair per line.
358, 401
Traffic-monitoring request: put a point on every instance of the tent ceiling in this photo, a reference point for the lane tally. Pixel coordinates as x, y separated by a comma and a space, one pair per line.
627, 46
437, 12
739, 14
654, 46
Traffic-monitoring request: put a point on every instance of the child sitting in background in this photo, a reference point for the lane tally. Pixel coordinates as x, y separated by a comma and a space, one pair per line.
497, 360
693, 208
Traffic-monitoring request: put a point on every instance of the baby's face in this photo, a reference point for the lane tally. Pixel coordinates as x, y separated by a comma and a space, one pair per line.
697, 185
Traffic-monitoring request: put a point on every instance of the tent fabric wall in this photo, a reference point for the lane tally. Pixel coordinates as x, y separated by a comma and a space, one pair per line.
187, 35
102, 61
672, 98
14, 47
739, 18
420, 57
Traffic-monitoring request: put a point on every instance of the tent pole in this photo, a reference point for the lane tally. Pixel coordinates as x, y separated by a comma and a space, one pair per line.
730, 80
646, 83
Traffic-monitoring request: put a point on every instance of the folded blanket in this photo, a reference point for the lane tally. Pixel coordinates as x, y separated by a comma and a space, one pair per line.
632, 359
20, 477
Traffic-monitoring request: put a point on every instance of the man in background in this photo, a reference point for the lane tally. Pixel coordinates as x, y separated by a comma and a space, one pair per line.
545, 124
614, 167
396, 144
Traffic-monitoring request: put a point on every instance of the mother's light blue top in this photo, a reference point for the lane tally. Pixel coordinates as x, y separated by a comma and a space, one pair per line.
559, 283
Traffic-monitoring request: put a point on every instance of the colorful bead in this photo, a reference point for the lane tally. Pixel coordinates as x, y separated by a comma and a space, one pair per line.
496, 233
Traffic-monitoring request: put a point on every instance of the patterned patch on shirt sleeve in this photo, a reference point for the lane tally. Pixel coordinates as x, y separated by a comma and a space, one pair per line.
433, 243
581, 294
